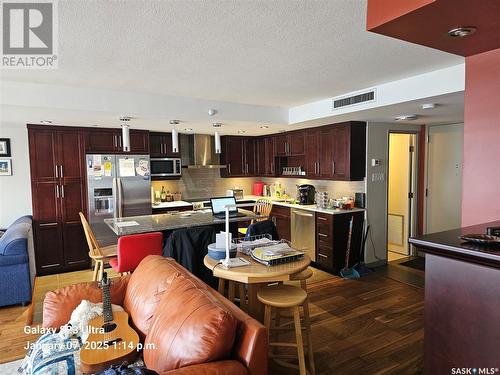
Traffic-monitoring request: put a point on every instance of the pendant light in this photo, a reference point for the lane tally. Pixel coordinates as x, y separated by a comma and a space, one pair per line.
125, 133
217, 137
175, 136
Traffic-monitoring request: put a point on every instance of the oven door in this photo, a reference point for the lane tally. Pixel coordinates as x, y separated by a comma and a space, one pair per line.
165, 167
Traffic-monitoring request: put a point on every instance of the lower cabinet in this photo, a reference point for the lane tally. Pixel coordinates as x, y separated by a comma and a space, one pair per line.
332, 234
282, 220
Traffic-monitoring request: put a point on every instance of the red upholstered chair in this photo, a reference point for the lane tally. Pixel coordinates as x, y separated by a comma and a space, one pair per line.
132, 249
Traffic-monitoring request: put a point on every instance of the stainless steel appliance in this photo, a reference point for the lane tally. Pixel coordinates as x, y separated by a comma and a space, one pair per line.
165, 167
117, 186
306, 194
198, 151
303, 228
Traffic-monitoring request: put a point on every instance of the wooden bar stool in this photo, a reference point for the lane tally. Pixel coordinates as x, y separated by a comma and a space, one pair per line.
289, 297
302, 276
231, 292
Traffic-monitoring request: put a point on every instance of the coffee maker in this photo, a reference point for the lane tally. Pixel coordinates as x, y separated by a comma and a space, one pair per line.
306, 194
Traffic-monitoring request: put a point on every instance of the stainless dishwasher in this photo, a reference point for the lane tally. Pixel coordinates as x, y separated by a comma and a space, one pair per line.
303, 228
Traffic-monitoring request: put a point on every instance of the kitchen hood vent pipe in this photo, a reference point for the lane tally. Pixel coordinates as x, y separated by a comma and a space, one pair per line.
175, 140
217, 143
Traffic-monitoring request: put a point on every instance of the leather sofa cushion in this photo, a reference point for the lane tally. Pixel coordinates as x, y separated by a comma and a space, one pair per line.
190, 327
150, 280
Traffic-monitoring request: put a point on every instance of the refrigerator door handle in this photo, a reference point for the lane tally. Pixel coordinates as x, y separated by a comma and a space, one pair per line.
120, 197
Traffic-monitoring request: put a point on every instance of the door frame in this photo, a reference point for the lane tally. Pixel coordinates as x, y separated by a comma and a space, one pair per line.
416, 175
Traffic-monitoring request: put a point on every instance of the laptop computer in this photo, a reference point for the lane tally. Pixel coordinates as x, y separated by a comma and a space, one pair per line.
219, 210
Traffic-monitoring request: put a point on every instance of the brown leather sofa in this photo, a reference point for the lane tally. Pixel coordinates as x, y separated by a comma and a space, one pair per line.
190, 328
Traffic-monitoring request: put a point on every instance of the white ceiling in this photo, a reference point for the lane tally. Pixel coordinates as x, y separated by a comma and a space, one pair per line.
277, 53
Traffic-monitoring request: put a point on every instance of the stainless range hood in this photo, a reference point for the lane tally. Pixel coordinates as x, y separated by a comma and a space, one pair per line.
198, 151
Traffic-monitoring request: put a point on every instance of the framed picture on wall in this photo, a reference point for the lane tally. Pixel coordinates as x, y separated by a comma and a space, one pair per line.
4, 147
5, 167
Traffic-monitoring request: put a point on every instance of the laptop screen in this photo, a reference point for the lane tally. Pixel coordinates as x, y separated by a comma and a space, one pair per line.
219, 204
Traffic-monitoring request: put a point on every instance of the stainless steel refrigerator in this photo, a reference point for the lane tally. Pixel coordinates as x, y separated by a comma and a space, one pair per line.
117, 186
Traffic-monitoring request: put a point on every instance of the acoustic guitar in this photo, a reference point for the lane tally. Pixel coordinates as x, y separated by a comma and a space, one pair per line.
111, 340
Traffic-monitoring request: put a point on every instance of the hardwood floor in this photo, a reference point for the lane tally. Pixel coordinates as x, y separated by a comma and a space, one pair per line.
373, 325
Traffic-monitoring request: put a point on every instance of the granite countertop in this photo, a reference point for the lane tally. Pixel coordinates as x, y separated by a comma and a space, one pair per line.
162, 222
172, 204
449, 244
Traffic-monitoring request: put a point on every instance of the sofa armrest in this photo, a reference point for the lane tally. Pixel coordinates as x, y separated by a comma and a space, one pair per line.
229, 367
59, 304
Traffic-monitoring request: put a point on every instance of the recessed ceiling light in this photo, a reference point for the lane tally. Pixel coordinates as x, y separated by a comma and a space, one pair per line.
216, 124
188, 129
46, 122
125, 118
264, 127
462, 32
406, 118
429, 105
174, 122
241, 132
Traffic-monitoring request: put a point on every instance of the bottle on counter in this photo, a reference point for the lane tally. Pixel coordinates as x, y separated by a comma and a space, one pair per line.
170, 197
163, 194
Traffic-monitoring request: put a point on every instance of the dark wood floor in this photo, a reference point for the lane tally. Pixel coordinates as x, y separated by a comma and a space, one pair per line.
373, 325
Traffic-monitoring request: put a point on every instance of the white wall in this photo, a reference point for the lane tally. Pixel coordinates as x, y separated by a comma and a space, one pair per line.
376, 191
15, 190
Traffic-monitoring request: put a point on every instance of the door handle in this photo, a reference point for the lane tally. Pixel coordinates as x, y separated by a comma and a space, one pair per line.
333, 167
62, 191
322, 235
301, 214
57, 174
114, 141
247, 168
57, 191
62, 173
322, 218
120, 197
322, 255
120, 140
229, 166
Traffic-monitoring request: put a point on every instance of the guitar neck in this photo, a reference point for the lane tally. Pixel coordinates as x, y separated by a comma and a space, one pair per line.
106, 304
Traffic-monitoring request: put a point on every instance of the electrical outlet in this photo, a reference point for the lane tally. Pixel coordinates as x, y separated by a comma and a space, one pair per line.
376, 177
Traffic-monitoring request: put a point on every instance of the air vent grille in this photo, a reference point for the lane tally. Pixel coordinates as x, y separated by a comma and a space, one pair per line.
364, 97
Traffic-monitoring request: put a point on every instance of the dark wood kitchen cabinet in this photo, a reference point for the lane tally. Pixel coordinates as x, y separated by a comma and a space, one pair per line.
57, 168
332, 232
110, 141
336, 152
239, 156
160, 146
282, 219
265, 156
289, 144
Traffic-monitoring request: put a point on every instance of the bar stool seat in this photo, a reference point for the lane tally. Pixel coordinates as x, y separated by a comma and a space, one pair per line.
288, 297
302, 275
282, 296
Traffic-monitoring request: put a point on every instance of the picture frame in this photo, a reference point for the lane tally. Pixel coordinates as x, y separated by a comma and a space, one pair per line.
5, 147
5, 167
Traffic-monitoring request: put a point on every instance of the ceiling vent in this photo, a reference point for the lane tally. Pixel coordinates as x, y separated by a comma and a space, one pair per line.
353, 99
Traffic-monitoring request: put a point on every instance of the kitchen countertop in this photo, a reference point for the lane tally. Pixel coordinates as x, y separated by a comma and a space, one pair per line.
448, 244
172, 204
162, 222
311, 207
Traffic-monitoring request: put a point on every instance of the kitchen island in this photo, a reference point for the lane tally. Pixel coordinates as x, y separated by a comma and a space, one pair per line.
462, 301
176, 220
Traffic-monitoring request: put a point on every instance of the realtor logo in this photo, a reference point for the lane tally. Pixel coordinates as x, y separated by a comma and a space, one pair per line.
29, 35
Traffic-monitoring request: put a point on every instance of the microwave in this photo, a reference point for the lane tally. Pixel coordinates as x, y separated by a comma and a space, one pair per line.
165, 167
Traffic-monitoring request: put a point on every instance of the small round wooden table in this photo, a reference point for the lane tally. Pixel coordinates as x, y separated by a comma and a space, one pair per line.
256, 276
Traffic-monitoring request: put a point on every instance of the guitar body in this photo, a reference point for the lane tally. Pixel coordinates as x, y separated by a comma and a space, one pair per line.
111, 340
102, 350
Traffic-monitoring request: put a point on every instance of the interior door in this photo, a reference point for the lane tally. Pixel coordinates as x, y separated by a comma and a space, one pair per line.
444, 177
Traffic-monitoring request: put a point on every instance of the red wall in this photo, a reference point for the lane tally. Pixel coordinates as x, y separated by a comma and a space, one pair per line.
481, 175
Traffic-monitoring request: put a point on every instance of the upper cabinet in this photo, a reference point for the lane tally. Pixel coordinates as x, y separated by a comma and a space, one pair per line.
160, 146
331, 152
239, 156
289, 144
336, 152
110, 141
